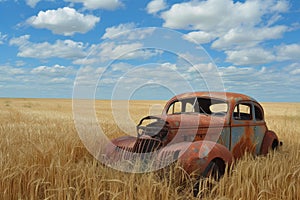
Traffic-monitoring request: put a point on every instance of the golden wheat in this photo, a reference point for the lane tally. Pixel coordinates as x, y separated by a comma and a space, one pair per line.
42, 157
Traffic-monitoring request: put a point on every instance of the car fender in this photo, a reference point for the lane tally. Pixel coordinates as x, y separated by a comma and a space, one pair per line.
194, 157
267, 142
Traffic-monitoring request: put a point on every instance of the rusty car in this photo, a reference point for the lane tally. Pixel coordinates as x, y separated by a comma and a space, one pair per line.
204, 131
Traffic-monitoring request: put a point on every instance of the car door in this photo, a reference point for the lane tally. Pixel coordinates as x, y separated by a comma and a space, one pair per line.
260, 127
242, 129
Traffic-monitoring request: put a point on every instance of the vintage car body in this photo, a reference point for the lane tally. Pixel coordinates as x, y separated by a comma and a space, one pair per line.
203, 130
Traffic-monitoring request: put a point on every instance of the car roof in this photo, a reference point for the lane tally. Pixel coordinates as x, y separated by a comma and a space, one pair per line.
227, 96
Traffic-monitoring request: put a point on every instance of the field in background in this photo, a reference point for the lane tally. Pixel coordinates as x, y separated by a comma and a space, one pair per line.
42, 157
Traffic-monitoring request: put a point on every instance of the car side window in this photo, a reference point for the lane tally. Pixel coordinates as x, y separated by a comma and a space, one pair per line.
189, 107
243, 111
176, 107
258, 113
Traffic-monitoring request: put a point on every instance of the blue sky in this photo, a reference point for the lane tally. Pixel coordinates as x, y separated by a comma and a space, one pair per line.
48, 47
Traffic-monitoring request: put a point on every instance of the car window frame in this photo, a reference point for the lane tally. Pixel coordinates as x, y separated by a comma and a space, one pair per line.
250, 103
261, 110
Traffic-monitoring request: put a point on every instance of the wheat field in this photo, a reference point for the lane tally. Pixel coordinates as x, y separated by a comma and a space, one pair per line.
42, 157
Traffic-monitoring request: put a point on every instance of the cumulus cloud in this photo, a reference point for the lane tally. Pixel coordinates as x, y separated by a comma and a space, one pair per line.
200, 37
219, 15
60, 49
155, 6
262, 82
293, 69
257, 55
20, 41
114, 30
56, 70
59, 80
98, 4
228, 24
25, 82
128, 31
209, 15
250, 56
88, 75
247, 37
12, 71
111, 50
288, 52
85, 61
121, 66
64, 21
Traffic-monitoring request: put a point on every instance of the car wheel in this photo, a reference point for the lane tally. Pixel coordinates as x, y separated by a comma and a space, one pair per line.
215, 170
274, 145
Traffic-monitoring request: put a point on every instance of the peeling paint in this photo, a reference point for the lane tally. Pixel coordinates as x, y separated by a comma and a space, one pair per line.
245, 144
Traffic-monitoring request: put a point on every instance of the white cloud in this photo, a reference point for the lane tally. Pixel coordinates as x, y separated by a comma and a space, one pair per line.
85, 61
114, 30
61, 48
293, 69
169, 66
127, 31
280, 6
155, 6
32, 3
98, 4
59, 80
22, 82
229, 24
288, 52
20, 63
209, 15
88, 75
141, 54
64, 21
250, 56
20, 41
202, 68
200, 37
258, 55
111, 51
121, 66
247, 37
219, 15
3, 38
11, 71
56, 70
266, 83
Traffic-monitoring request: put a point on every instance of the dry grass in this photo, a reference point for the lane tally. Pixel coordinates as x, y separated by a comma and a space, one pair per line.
42, 157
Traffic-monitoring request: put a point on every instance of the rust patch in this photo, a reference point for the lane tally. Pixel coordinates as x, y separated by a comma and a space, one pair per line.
245, 144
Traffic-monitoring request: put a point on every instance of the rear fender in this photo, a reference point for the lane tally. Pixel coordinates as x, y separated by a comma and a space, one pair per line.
199, 154
268, 140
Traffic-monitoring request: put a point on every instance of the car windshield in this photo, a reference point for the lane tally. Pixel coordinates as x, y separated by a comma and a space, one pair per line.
198, 105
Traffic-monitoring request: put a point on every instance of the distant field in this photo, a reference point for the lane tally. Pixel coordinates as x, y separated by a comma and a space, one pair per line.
42, 157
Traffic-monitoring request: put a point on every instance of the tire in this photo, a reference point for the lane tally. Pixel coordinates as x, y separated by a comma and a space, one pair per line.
274, 145
215, 170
